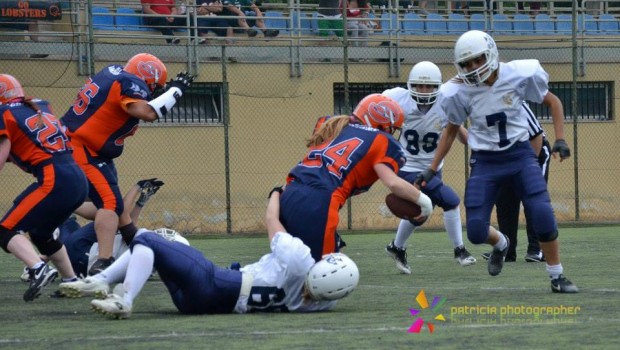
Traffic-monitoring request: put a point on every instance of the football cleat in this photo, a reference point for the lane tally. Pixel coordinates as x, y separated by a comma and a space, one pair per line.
100, 265
87, 287
400, 257
113, 305
463, 257
534, 257
496, 260
39, 278
563, 285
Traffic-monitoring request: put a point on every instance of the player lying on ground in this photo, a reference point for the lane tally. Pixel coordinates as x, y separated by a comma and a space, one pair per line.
287, 279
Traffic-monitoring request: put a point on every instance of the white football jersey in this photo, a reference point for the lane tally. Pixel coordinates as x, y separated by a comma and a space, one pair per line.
421, 131
496, 112
279, 278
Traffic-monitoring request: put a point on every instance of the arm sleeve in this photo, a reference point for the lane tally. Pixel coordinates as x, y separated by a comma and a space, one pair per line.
292, 253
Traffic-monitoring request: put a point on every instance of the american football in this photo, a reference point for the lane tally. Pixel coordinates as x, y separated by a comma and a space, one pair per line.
401, 207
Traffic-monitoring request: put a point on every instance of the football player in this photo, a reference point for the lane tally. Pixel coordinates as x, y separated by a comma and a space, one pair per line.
107, 110
287, 279
32, 138
424, 123
491, 95
346, 156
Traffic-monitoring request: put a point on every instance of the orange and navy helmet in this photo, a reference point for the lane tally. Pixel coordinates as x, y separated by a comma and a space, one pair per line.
380, 112
148, 68
10, 88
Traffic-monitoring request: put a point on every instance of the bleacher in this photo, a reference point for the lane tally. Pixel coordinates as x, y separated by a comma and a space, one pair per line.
113, 19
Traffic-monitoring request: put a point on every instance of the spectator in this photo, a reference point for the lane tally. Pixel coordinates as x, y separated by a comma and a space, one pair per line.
356, 27
230, 8
461, 6
330, 18
534, 7
250, 8
165, 24
209, 21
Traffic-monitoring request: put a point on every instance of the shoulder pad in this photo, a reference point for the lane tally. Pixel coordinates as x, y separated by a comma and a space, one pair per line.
523, 68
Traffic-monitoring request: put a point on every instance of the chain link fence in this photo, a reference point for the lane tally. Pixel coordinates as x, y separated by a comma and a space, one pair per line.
242, 126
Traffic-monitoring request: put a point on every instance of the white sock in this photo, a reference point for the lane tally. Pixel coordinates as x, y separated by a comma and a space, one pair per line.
452, 223
405, 230
138, 272
555, 270
502, 243
115, 273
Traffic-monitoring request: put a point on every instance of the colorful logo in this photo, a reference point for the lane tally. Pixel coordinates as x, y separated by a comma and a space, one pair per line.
438, 302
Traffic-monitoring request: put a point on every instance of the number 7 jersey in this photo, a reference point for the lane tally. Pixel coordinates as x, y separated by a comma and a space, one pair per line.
497, 118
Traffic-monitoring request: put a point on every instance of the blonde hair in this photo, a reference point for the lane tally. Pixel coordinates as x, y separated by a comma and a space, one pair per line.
330, 129
29, 101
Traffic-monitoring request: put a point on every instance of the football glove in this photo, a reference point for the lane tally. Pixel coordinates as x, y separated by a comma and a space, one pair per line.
148, 188
182, 81
560, 146
425, 177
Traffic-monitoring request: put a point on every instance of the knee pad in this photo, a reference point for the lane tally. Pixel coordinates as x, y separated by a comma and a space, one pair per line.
477, 231
47, 245
549, 237
5, 238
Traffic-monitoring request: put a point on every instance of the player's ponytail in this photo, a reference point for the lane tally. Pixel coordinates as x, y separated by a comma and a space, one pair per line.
34, 105
330, 129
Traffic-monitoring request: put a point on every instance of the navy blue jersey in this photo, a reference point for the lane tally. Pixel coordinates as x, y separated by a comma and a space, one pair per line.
98, 119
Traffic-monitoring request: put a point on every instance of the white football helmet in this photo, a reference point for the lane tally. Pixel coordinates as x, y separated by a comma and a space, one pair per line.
171, 235
424, 73
332, 278
470, 45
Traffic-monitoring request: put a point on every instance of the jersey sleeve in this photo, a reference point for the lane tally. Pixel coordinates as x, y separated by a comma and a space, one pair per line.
292, 253
534, 81
388, 151
452, 105
533, 125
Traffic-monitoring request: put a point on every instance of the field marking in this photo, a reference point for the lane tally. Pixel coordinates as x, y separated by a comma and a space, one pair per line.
245, 333
596, 290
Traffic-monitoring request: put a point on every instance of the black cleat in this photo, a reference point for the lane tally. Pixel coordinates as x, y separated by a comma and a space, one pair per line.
496, 260
39, 278
463, 257
100, 265
400, 256
563, 285
534, 257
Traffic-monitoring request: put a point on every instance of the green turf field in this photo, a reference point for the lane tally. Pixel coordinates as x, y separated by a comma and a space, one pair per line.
481, 312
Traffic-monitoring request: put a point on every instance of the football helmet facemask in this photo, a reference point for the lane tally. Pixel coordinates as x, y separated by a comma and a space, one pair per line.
171, 235
10, 88
469, 46
424, 73
332, 278
380, 112
148, 68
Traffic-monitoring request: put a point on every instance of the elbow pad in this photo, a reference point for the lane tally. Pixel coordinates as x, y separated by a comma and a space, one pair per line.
425, 204
166, 101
